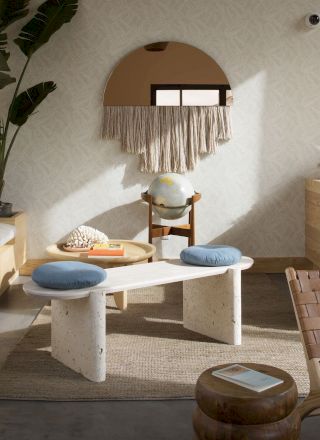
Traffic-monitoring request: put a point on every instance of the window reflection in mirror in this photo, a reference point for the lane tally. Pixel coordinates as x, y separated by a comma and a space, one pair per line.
190, 94
200, 97
167, 74
167, 97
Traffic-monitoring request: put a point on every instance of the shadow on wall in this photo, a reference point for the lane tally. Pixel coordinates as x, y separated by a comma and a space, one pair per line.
69, 155
131, 219
132, 175
267, 222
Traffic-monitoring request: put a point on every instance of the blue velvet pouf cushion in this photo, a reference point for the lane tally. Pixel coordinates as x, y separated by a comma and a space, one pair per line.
65, 275
211, 255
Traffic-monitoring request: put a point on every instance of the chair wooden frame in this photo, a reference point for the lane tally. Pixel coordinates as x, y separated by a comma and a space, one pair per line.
304, 288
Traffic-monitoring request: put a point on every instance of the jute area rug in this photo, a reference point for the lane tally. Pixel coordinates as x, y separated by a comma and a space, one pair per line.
149, 353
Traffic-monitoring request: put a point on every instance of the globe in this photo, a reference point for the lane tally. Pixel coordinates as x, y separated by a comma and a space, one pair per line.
170, 193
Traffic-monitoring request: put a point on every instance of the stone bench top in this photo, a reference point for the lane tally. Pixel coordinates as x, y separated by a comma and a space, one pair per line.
139, 276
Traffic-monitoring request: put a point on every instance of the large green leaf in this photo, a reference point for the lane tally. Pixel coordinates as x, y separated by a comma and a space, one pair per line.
11, 11
51, 15
5, 55
5, 78
3, 63
26, 102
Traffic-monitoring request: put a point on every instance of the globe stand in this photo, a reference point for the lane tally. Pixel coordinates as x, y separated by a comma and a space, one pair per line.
187, 230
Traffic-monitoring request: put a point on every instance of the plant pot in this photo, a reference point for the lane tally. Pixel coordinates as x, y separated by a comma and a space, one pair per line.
5, 209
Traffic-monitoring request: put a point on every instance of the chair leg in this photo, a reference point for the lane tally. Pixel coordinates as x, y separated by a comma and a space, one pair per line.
78, 335
212, 306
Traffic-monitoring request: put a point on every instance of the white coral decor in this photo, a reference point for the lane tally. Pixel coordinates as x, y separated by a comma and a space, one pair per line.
85, 236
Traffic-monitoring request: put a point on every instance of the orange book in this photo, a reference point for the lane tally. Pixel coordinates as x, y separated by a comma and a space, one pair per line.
106, 252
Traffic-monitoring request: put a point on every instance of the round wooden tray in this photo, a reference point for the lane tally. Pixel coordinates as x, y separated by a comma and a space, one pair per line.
135, 251
74, 249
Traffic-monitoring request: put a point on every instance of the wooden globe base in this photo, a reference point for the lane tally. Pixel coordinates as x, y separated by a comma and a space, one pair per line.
186, 230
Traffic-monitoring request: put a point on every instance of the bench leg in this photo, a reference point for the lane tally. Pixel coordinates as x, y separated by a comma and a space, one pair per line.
78, 335
121, 300
212, 306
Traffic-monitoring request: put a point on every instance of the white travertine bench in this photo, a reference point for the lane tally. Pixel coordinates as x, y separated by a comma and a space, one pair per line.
211, 306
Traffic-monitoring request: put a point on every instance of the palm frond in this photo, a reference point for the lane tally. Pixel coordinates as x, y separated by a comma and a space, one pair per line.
26, 102
5, 55
11, 11
1, 129
51, 15
5, 78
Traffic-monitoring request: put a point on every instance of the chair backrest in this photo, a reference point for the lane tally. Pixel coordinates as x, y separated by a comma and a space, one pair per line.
304, 287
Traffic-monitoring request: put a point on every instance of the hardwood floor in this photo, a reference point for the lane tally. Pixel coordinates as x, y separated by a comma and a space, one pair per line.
147, 420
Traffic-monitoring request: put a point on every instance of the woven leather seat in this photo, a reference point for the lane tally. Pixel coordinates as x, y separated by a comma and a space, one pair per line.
305, 293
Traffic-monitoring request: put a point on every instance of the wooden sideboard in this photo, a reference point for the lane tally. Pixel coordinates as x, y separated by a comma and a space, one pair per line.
312, 220
13, 253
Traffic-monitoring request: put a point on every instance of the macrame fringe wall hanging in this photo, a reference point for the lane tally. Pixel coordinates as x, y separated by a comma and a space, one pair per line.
168, 138
139, 112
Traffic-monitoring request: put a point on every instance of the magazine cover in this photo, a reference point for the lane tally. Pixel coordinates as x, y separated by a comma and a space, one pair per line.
248, 378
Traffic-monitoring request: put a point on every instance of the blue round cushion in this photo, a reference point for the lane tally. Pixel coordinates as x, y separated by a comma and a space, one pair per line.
211, 255
65, 275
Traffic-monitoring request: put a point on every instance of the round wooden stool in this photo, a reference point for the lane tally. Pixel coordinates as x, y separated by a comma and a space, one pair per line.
231, 412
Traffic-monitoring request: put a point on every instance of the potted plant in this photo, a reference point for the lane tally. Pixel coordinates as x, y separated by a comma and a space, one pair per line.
49, 18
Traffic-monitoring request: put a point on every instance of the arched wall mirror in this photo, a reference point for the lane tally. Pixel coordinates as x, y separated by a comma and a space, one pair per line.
168, 102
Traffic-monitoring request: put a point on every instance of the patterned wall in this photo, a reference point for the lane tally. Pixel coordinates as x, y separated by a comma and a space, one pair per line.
63, 175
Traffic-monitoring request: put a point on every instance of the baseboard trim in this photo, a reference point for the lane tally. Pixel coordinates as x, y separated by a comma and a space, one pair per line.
279, 264
261, 264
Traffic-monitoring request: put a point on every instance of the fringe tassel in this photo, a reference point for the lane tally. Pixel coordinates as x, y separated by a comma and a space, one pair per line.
168, 139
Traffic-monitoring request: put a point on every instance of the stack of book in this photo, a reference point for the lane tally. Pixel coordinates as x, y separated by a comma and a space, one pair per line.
106, 250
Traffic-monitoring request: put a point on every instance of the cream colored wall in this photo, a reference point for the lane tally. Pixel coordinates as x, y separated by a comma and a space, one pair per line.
63, 175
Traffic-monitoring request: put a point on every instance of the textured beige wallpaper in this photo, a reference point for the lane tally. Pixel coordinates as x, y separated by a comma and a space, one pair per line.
63, 175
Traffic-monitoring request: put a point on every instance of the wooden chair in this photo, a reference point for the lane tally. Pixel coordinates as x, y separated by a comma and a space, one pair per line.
305, 293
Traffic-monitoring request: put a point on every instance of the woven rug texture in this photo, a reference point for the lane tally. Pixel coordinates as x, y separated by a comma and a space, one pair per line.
149, 353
